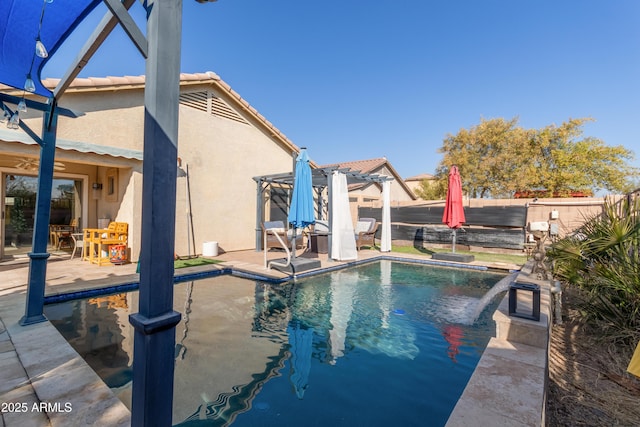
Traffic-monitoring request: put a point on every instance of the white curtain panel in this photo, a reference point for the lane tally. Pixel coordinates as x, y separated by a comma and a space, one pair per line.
343, 241
385, 238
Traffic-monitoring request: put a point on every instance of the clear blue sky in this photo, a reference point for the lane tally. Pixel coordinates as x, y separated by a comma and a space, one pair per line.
357, 79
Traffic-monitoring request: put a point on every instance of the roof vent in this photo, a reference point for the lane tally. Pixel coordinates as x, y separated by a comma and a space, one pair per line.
208, 102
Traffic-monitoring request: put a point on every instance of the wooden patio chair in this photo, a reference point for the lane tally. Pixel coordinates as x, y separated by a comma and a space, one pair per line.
100, 239
365, 232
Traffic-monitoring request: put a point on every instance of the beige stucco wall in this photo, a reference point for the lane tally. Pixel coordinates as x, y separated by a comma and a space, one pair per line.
222, 155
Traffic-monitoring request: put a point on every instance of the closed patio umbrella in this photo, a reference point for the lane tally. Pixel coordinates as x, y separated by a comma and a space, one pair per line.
301, 212
453, 210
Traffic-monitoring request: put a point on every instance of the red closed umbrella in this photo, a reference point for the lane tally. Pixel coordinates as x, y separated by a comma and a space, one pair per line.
453, 210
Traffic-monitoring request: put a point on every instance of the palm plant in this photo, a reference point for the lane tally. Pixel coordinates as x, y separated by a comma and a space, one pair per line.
603, 260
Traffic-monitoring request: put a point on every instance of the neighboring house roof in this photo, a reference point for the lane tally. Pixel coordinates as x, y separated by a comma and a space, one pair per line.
92, 84
420, 177
371, 166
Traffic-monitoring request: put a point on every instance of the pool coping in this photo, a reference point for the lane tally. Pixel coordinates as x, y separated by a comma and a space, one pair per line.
72, 393
509, 385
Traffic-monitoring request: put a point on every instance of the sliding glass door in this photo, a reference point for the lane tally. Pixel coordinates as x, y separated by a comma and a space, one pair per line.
19, 210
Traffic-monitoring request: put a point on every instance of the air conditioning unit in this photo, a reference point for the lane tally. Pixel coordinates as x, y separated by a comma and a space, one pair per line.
539, 226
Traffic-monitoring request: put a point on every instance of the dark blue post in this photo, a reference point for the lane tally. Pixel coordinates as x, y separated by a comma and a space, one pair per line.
154, 339
39, 255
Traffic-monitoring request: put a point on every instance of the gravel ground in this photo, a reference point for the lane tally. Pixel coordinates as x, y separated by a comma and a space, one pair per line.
588, 382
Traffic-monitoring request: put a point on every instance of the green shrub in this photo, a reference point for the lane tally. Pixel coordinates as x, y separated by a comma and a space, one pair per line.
603, 259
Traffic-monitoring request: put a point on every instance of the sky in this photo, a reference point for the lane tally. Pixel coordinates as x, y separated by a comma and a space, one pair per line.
354, 80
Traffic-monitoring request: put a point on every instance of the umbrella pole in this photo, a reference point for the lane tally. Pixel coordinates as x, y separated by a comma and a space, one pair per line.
453, 233
293, 242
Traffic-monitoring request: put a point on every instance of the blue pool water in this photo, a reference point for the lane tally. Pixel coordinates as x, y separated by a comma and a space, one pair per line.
381, 344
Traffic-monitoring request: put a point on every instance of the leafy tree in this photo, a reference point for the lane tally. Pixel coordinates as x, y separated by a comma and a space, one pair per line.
489, 157
497, 158
565, 163
432, 189
603, 260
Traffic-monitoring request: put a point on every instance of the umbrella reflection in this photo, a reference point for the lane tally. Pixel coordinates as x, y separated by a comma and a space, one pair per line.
301, 347
453, 334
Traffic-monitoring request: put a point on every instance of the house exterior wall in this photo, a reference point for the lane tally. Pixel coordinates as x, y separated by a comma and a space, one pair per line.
222, 156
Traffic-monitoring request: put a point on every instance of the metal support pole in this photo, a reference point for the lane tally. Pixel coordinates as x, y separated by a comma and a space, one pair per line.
259, 215
154, 339
38, 255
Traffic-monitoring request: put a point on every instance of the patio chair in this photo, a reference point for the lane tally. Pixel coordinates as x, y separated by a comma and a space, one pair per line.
100, 239
60, 235
365, 232
78, 243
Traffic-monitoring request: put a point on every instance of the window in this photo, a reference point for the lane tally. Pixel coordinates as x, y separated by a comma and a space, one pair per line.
112, 185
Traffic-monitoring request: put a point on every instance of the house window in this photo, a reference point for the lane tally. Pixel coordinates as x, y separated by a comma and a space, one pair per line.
112, 185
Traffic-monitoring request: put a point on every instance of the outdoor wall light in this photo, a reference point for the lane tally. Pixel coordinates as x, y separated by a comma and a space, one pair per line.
97, 190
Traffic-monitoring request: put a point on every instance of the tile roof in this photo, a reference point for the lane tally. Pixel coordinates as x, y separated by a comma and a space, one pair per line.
371, 166
365, 166
420, 177
186, 79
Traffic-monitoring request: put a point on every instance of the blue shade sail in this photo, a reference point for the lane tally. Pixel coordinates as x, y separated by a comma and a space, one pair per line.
20, 22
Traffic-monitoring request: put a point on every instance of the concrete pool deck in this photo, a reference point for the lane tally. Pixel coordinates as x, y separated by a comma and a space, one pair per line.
43, 382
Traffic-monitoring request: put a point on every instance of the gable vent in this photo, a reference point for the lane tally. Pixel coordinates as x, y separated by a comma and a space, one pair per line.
209, 103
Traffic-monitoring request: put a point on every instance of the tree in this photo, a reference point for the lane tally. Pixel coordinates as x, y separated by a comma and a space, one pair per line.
489, 157
565, 163
498, 158
432, 189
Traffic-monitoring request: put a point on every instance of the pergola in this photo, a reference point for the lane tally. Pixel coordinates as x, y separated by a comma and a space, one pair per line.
30, 34
321, 179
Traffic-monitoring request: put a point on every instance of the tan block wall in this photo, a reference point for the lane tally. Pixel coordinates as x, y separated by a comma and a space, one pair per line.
571, 212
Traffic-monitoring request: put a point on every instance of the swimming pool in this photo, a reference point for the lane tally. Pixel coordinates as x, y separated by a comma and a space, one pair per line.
384, 343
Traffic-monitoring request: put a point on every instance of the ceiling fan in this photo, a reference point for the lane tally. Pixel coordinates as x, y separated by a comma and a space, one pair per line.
31, 164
